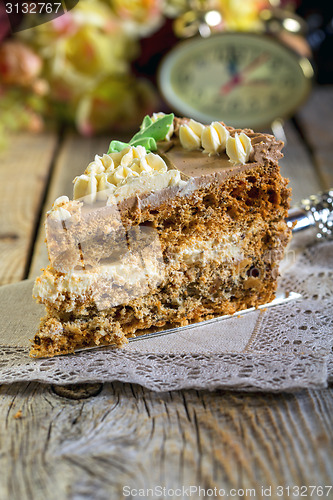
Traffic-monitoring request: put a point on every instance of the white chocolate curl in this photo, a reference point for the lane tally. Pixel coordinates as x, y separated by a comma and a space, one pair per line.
214, 138
190, 135
239, 148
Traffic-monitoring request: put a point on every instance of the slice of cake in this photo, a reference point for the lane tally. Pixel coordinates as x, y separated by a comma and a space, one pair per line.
182, 224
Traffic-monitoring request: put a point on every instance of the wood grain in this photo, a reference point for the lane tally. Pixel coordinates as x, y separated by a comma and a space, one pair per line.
92, 448
24, 170
297, 166
315, 120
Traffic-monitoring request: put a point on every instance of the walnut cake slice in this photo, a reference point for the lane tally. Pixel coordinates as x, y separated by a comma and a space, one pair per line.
182, 224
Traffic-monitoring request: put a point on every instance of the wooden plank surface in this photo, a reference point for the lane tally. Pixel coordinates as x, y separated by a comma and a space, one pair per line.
24, 169
80, 447
56, 448
297, 166
316, 121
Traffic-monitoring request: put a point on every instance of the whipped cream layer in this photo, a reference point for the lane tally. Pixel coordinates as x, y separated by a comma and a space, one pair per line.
134, 274
228, 249
214, 139
138, 186
106, 285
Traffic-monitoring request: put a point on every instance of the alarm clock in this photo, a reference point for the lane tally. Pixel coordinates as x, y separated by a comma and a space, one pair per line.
244, 79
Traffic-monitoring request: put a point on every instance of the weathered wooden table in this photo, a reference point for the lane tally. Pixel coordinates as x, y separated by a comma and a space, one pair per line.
120, 440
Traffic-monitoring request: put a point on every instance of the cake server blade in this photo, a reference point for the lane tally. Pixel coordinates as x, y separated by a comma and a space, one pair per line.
282, 297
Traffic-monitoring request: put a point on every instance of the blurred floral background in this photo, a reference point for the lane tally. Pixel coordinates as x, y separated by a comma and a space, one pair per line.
94, 67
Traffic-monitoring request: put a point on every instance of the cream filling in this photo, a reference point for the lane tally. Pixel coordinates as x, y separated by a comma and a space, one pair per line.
108, 285
226, 250
132, 276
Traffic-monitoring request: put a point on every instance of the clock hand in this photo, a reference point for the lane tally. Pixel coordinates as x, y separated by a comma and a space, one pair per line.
232, 63
257, 81
234, 72
241, 75
227, 87
258, 61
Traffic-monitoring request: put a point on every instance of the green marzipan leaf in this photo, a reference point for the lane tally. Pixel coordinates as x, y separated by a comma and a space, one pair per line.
150, 132
146, 122
117, 146
157, 130
147, 142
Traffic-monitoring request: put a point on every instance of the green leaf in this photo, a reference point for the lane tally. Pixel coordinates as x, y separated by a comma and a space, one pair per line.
157, 130
117, 146
146, 122
150, 132
147, 142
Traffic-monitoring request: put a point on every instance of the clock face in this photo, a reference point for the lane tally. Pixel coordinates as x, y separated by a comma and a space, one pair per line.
243, 79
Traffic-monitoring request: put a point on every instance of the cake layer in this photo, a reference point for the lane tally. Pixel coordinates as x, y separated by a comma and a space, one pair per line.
144, 268
79, 232
93, 233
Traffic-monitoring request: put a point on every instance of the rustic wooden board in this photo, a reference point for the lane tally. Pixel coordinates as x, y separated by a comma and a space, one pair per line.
24, 169
316, 122
297, 166
58, 448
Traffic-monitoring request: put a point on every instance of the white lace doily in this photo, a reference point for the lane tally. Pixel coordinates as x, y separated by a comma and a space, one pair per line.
284, 348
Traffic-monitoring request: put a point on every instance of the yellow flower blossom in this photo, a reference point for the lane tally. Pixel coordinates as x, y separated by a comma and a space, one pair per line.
141, 16
81, 47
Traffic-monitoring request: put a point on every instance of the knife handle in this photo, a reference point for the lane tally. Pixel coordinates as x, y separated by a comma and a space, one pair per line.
313, 212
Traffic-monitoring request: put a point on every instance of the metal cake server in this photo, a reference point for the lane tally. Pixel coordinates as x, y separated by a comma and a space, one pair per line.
281, 298
314, 213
